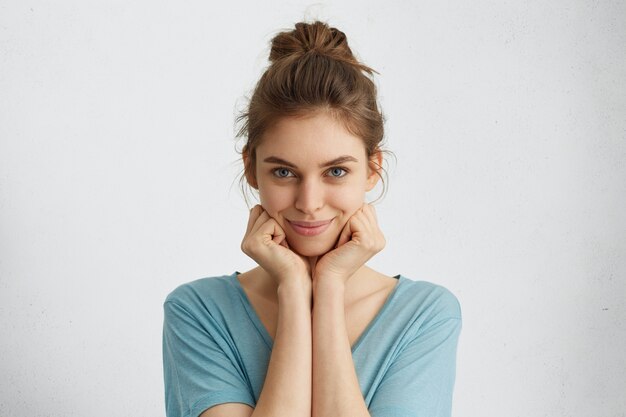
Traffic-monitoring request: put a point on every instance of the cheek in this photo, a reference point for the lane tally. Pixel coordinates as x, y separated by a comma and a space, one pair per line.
353, 193
274, 199
348, 199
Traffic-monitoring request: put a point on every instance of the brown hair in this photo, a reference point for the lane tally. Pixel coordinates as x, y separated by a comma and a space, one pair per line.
312, 69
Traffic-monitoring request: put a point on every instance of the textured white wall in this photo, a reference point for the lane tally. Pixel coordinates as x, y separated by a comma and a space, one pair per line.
117, 168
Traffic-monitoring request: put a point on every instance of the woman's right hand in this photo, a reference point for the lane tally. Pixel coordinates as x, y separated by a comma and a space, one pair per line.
265, 242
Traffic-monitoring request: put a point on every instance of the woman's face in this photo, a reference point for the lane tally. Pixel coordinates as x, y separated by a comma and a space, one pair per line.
312, 170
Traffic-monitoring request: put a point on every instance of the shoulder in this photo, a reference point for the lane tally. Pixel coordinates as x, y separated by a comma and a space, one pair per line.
203, 305
431, 302
200, 291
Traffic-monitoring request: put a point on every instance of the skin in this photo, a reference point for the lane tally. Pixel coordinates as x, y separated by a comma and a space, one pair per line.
313, 271
307, 192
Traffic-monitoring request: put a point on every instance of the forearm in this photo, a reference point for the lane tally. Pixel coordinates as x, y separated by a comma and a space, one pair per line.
336, 391
287, 388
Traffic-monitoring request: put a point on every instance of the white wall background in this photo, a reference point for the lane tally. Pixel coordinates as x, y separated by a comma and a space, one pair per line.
117, 162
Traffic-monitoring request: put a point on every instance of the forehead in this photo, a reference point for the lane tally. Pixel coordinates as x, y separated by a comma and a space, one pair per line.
319, 136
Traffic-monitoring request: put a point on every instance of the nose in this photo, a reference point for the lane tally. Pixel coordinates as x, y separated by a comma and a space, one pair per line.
309, 196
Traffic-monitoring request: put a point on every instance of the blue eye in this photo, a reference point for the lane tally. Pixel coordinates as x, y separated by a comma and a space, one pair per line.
338, 171
280, 171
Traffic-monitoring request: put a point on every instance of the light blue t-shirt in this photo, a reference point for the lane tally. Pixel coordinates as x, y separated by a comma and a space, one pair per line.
217, 350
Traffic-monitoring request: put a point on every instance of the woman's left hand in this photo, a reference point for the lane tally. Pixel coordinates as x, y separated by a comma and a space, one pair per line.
360, 239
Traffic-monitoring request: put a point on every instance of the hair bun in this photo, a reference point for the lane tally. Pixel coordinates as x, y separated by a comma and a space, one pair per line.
316, 37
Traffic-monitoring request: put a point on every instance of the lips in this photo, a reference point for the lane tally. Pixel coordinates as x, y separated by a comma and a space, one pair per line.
310, 228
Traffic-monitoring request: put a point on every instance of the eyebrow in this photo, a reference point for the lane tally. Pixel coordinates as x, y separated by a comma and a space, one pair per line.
340, 160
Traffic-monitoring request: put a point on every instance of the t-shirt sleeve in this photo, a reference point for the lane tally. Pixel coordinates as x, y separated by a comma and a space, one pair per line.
198, 373
420, 381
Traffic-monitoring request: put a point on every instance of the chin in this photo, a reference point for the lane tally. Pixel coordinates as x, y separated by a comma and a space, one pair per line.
311, 248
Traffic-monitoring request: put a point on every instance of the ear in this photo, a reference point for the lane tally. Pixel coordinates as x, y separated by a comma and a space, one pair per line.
249, 172
375, 164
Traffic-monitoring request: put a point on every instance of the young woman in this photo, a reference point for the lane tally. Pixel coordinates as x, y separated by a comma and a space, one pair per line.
312, 330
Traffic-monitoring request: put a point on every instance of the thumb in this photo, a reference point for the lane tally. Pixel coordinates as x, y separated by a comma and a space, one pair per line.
279, 236
345, 235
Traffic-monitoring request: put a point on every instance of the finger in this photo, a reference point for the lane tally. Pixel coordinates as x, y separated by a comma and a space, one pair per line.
372, 236
373, 210
360, 223
362, 230
285, 244
345, 234
255, 212
380, 237
269, 231
370, 213
277, 232
260, 221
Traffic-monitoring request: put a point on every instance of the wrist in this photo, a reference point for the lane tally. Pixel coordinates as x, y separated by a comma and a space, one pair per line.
294, 286
333, 283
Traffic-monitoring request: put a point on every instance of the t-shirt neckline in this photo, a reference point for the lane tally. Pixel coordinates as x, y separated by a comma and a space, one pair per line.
254, 317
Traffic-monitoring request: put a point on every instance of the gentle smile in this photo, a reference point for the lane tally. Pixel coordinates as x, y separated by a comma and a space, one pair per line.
310, 228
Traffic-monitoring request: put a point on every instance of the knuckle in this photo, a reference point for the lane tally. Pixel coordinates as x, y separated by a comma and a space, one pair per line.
369, 244
248, 245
